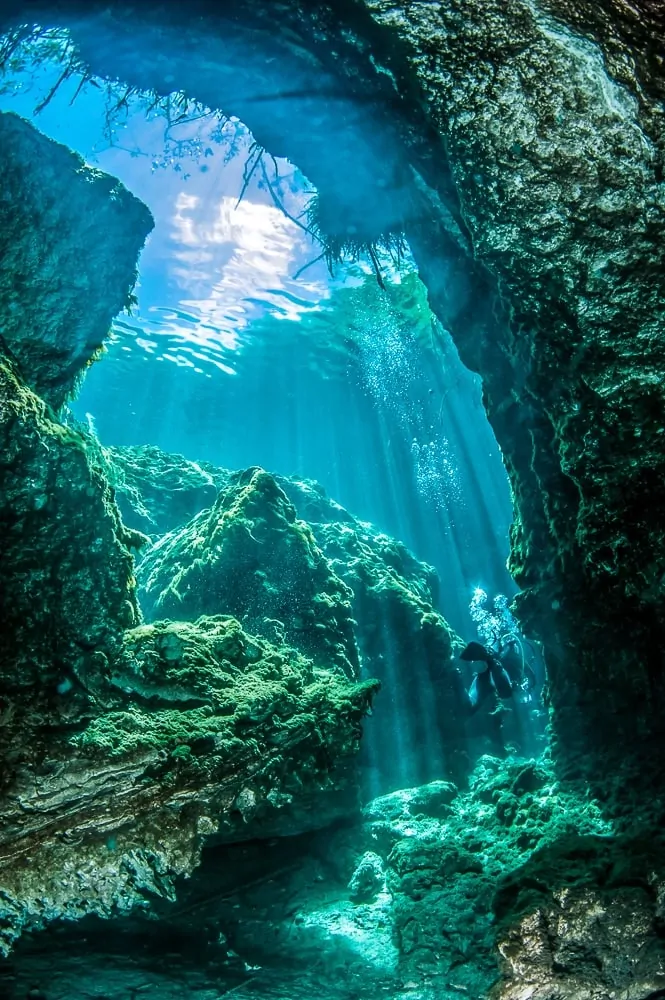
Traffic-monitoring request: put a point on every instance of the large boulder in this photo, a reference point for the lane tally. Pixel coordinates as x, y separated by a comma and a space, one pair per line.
208, 734
249, 555
70, 237
211, 565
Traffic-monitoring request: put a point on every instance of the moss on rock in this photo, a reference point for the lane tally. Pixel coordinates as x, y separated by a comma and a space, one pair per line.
157, 491
250, 556
216, 736
400, 636
67, 587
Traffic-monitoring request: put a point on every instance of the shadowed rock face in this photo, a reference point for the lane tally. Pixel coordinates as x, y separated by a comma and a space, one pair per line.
525, 162
200, 732
69, 281
67, 588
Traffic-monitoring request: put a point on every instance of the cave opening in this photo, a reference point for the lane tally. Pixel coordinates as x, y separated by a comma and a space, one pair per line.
247, 343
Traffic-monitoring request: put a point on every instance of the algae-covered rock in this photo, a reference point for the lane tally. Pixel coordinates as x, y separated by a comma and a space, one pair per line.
216, 735
583, 918
402, 902
556, 150
250, 556
157, 491
368, 879
67, 587
69, 241
401, 638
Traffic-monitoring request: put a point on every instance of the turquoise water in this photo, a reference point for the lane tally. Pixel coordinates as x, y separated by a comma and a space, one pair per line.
242, 350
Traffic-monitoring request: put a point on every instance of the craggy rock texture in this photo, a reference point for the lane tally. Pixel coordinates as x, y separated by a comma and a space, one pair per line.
400, 637
69, 240
156, 491
67, 587
123, 747
561, 187
208, 733
583, 919
250, 556
523, 158
411, 901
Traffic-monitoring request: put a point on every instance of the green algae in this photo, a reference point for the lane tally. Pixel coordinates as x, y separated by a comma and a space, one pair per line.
158, 491
243, 689
250, 556
449, 855
68, 587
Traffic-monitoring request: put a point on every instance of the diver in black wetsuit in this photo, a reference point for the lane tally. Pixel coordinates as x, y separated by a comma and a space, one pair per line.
495, 677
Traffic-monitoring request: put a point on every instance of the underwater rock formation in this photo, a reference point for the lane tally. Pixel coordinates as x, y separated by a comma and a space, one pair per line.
530, 187
69, 241
583, 918
208, 734
67, 587
124, 747
520, 149
558, 169
512, 888
157, 491
250, 556
400, 637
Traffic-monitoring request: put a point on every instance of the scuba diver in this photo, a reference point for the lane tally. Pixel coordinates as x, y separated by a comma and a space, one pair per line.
506, 671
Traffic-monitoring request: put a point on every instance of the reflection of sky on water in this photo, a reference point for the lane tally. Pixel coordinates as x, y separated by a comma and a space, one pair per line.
213, 263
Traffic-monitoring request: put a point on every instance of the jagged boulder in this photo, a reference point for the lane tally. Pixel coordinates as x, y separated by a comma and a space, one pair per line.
70, 237
583, 918
401, 638
210, 734
250, 556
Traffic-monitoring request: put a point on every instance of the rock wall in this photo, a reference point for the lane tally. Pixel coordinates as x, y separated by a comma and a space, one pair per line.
559, 175
67, 587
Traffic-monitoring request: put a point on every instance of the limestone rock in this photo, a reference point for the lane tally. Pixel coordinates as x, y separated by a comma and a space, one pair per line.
368, 879
401, 638
583, 919
250, 556
215, 735
67, 588
157, 491
69, 241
